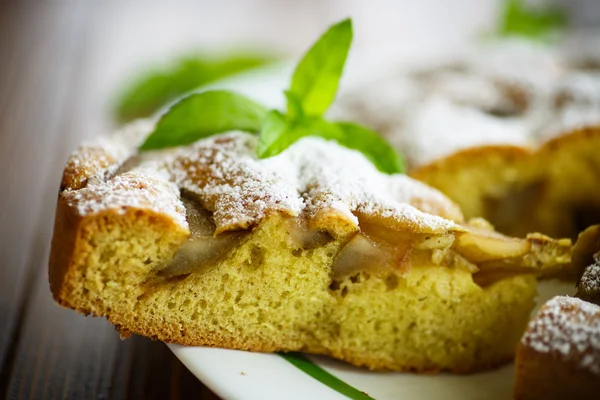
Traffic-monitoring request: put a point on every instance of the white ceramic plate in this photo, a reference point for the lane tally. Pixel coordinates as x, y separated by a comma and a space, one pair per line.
241, 375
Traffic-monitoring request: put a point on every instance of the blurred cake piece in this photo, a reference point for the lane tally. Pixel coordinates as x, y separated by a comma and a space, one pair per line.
559, 355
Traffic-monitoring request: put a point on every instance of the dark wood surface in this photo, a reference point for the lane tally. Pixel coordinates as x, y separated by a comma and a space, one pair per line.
46, 56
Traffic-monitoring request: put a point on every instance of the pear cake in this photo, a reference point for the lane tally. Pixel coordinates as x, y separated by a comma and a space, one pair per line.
312, 250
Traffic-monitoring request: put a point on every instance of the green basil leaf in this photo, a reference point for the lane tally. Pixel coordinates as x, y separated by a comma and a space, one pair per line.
316, 78
373, 147
205, 114
278, 133
519, 20
275, 135
155, 88
295, 110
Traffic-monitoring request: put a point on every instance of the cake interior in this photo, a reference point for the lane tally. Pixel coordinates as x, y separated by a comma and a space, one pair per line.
373, 296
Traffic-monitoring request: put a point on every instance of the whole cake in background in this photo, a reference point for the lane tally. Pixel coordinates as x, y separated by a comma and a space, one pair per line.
510, 132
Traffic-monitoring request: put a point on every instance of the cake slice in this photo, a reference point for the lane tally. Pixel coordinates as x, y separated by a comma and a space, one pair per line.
559, 356
312, 250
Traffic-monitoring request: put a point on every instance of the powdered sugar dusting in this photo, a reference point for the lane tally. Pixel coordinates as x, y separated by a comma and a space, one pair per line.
470, 90
568, 328
573, 104
228, 179
509, 93
225, 175
310, 176
147, 187
440, 128
516, 61
101, 157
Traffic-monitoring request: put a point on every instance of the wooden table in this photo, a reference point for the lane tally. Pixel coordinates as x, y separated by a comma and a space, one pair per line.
61, 62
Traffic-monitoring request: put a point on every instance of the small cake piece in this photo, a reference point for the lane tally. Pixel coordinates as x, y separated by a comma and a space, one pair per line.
586, 264
311, 250
589, 285
559, 355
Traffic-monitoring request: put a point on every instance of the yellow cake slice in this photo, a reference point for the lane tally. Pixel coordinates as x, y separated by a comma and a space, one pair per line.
312, 250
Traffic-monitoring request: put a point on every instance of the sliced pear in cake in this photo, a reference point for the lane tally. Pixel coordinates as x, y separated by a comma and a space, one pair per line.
312, 250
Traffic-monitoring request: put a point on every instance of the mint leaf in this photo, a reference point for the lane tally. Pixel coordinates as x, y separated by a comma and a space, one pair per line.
155, 88
275, 135
205, 114
316, 78
313, 88
519, 20
278, 133
373, 147
295, 110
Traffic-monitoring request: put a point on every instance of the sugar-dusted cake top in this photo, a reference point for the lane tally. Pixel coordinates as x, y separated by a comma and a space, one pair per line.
441, 127
312, 176
569, 328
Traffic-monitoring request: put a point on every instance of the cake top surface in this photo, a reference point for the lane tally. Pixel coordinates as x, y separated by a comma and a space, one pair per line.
146, 188
440, 127
311, 177
569, 328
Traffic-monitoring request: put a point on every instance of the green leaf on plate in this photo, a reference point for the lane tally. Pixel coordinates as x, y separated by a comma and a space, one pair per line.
316, 78
150, 91
373, 146
205, 114
318, 373
535, 23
